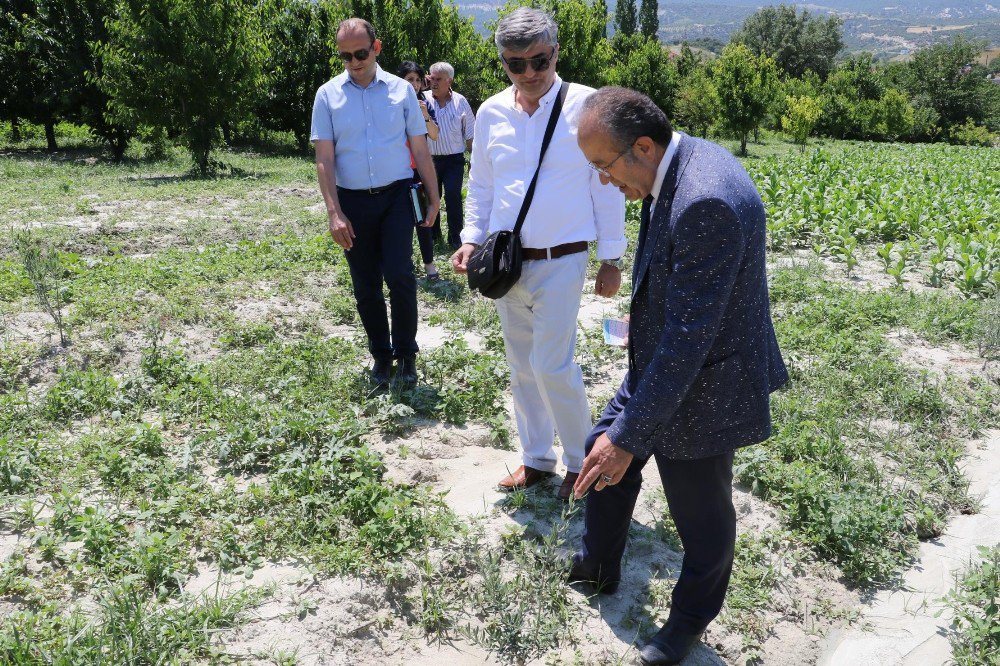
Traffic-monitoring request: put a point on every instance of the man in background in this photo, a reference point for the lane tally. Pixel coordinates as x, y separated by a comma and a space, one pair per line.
361, 121
455, 121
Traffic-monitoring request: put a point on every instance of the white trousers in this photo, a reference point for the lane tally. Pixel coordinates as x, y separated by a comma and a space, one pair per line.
538, 316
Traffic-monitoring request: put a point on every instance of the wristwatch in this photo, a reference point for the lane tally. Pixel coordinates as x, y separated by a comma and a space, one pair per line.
614, 263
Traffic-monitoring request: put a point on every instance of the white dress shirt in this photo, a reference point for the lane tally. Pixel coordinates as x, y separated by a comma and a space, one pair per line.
455, 121
661, 169
570, 203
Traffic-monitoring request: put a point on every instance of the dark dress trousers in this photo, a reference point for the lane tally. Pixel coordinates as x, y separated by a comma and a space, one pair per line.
383, 250
703, 359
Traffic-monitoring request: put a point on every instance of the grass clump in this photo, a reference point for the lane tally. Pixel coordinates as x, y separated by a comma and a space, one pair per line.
130, 628
975, 637
858, 498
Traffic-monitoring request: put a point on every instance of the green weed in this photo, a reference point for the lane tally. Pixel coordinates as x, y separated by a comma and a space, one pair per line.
975, 602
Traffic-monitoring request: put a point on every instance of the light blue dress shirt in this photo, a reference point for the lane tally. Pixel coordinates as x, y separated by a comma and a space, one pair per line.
369, 128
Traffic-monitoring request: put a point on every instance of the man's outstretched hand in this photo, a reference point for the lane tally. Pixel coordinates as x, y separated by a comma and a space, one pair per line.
604, 460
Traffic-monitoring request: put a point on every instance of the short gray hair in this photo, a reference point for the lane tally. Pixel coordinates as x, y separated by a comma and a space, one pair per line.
443, 68
523, 27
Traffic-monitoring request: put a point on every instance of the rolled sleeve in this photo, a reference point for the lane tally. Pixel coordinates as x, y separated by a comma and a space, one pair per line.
415, 125
708, 248
322, 122
609, 217
479, 200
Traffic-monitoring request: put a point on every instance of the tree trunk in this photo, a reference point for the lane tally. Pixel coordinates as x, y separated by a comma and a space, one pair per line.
202, 159
15, 130
50, 136
227, 134
118, 145
756, 134
743, 144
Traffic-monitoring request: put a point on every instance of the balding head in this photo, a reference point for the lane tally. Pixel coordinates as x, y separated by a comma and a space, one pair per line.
624, 136
625, 115
355, 27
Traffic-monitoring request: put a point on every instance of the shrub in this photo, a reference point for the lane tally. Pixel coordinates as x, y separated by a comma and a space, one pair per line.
971, 134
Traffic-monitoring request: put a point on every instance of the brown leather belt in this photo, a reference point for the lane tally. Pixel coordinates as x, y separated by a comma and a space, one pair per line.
529, 253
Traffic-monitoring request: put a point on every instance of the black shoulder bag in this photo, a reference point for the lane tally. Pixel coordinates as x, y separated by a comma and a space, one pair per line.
495, 266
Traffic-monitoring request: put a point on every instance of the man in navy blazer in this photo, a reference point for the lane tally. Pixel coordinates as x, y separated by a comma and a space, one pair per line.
703, 357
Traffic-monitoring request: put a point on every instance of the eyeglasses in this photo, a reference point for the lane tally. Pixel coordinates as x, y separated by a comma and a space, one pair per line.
360, 54
539, 63
605, 169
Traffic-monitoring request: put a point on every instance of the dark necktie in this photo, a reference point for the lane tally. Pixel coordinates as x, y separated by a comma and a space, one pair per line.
647, 205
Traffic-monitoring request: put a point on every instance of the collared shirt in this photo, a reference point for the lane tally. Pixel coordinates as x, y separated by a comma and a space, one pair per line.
663, 167
369, 127
455, 122
570, 203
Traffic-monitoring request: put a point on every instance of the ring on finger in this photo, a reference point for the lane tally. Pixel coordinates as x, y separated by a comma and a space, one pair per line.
607, 479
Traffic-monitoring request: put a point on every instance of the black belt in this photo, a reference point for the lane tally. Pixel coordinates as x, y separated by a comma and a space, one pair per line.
533, 253
378, 190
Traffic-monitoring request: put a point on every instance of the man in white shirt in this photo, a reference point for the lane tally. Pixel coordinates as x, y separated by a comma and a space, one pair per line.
570, 208
455, 122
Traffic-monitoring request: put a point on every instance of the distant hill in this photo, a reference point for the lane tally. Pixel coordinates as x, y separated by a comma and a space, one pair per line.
887, 28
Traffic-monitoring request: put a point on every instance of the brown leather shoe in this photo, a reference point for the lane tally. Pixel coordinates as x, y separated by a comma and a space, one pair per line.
522, 477
566, 487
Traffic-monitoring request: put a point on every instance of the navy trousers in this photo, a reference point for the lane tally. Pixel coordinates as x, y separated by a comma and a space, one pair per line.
383, 250
700, 497
450, 172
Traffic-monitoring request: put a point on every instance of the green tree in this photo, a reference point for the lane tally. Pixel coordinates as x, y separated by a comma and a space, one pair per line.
626, 19
971, 134
947, 76
584, 52
800, 117
428, 31
302, 34
188, 66
649, 22
74, 31
898, 114
797, 41
698, 103
13, 64
30, 89
748, 85
688, 61
478, 74
646, 66
850, 100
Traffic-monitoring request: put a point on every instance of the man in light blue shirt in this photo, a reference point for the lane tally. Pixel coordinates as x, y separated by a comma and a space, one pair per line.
365, 123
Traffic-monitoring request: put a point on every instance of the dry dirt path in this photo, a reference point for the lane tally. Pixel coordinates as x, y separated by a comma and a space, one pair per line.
902, 627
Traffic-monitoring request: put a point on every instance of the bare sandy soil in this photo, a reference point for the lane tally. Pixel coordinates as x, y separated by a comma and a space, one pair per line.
353, 621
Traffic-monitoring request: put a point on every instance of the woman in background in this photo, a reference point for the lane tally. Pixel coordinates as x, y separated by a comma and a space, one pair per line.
414, 75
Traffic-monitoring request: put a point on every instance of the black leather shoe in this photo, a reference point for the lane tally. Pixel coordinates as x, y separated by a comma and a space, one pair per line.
578, 573
668, 646
406, 375
380, 371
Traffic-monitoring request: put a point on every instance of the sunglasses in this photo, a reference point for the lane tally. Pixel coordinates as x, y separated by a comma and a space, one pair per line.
520, 65
360, 54
604, 169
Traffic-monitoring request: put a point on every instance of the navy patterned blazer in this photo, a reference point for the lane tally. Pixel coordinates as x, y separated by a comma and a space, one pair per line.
703, 357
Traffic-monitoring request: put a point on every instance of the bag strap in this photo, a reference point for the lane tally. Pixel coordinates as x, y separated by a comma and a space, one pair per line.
549, 131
